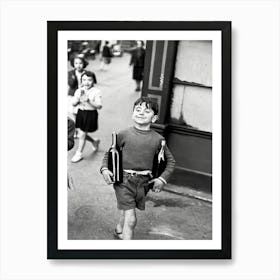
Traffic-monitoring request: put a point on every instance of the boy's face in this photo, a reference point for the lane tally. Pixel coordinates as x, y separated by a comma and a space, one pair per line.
87, 82
78, 64
142, 115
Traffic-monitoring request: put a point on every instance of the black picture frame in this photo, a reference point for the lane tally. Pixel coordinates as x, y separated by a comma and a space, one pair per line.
52, 139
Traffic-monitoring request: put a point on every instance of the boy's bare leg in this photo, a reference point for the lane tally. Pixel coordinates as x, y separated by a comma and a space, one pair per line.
82, 141
119, 227
129, 224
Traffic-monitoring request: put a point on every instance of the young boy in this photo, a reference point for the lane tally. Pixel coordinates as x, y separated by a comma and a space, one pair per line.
139, 146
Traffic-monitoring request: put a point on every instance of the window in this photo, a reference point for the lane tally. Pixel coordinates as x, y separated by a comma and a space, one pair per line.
192, 86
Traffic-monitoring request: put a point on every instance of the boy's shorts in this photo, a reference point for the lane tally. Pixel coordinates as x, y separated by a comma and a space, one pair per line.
131, 192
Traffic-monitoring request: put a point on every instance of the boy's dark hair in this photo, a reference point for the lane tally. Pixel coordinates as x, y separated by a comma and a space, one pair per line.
150, 103
85, 63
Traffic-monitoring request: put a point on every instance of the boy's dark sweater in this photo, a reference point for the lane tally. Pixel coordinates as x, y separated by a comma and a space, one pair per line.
139, 148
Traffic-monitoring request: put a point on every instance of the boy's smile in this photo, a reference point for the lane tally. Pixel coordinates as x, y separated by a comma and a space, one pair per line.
143, 116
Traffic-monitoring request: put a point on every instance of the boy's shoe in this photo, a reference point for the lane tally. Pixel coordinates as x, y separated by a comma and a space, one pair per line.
77, 157
137, 89
95, 145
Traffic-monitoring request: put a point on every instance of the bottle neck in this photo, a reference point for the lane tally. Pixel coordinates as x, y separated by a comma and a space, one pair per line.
114, 139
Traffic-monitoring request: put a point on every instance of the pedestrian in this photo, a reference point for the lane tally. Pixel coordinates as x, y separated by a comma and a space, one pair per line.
97, 47
106, 57
138, 60
88, 100
138, 144
70, 138
74, 82
71, 131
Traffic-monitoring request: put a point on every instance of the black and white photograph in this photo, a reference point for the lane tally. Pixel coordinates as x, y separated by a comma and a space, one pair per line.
171, 111
97, 209
143, 165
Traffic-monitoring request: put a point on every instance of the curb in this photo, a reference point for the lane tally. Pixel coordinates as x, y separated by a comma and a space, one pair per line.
188, 192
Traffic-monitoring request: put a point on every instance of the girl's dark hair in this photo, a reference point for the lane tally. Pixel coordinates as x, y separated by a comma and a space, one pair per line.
150, 103
85, 63
89, 74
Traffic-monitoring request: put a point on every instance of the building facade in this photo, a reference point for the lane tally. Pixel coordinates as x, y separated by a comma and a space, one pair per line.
178, 74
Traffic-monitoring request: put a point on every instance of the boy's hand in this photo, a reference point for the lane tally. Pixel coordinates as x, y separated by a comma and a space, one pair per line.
158, 185
108, 175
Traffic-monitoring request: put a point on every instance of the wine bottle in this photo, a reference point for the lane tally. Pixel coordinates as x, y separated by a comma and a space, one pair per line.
161, 158
159, 163
115, 160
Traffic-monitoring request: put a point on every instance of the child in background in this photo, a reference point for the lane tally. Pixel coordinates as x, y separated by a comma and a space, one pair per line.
74, 76
71, 131
139, 146
70, 143
74, 82
87, 98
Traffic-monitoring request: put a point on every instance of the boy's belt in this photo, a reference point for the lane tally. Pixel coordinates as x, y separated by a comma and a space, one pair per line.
134, 172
